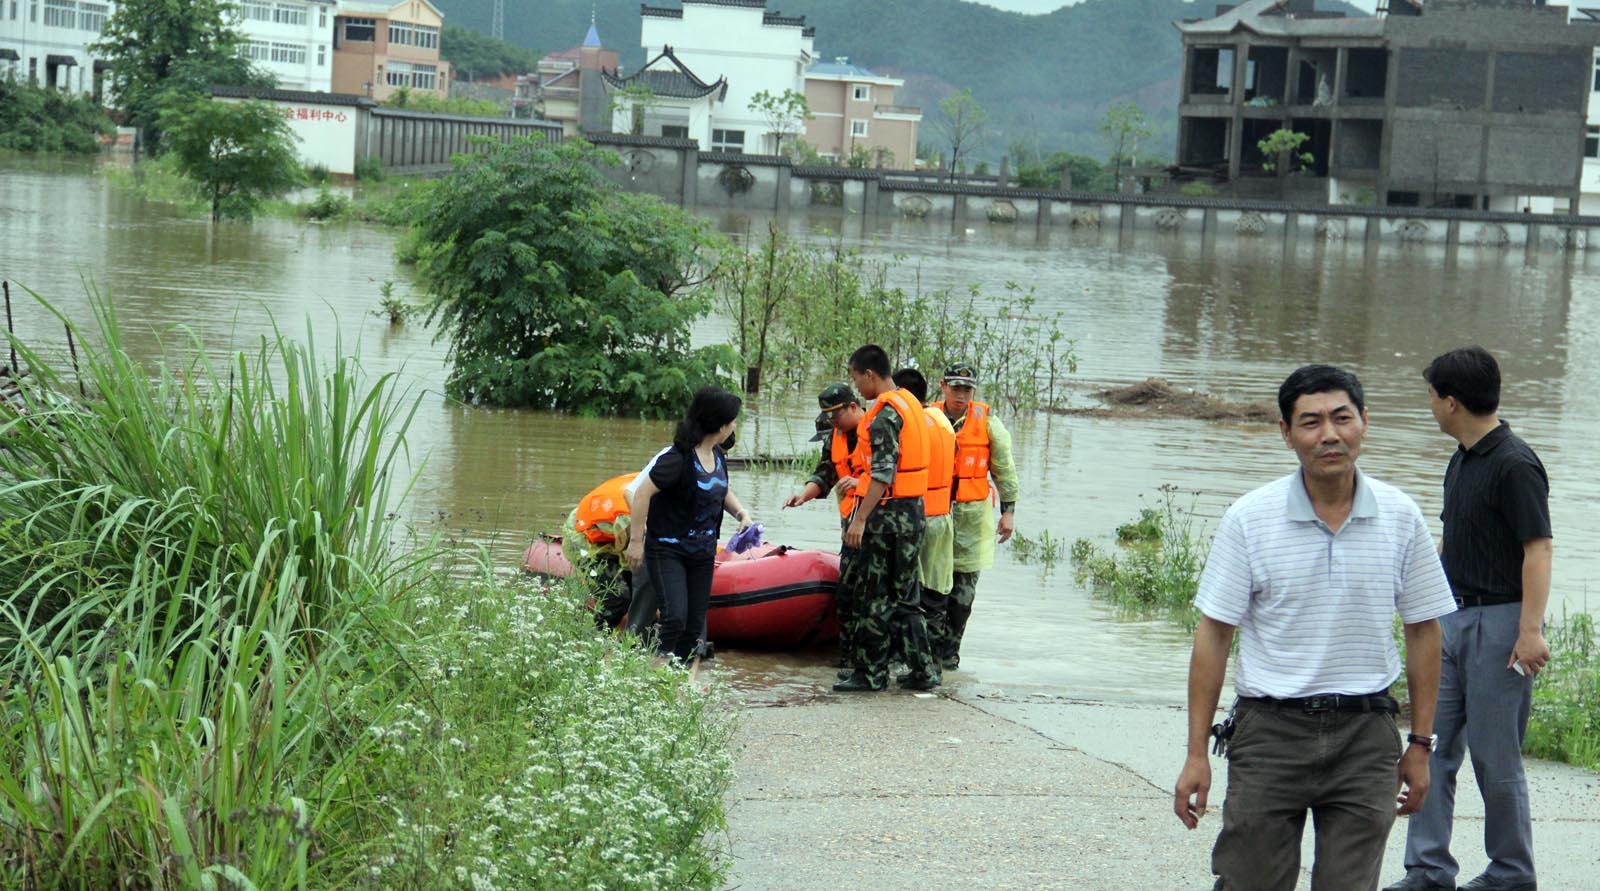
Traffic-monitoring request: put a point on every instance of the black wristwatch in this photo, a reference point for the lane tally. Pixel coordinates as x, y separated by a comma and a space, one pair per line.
1427, 742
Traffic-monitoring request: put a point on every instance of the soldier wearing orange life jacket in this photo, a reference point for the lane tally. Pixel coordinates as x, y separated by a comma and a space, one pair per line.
983, 453
886, 527
837, 471
594, 539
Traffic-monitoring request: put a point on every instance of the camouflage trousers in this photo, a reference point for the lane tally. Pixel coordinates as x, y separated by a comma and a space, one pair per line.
958, 608
844, 605
884, 591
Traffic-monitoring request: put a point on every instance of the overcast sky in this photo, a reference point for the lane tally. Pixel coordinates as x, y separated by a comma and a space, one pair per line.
1051, 5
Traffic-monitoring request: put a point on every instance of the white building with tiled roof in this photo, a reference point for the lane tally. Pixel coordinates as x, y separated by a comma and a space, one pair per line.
722, 53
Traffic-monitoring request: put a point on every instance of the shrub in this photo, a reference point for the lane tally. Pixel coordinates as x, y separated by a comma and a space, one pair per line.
1199, 189
316, 174
555, 290
370, 169
326, 206
36, 119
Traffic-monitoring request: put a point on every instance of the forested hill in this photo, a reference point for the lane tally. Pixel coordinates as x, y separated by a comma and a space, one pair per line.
1046, 79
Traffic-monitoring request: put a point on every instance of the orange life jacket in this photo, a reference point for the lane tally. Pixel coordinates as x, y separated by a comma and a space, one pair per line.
911, 471
847, 463
972, 453
941, 468
603, 505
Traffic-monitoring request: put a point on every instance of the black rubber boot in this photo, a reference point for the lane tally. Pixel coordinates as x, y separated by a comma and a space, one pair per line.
856, 683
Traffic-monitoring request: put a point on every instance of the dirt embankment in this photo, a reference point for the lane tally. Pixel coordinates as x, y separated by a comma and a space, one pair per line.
1156, 398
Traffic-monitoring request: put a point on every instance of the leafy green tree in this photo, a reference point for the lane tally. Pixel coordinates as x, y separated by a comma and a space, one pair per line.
236, 153
1087, 173
36, 119
556, 290
473, 56
635, 100
963, 123
786, 114
1123, 126
164, 53
1282, 150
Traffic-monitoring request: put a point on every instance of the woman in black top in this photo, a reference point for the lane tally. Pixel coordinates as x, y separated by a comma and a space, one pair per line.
680, 507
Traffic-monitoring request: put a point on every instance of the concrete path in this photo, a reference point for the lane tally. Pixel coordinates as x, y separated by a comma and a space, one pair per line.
983, 788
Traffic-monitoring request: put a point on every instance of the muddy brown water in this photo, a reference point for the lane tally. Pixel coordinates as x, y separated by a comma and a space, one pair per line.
1226, 317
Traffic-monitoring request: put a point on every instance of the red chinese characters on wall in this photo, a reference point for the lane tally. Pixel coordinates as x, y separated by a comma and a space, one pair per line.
299, 113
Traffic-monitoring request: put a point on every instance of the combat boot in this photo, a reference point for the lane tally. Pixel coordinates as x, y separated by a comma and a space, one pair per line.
857, 683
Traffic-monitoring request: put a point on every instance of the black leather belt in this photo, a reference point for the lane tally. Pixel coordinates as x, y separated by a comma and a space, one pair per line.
1332, 702
1468, 600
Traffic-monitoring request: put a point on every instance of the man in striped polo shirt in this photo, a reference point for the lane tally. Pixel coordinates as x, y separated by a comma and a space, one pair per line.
1311, 570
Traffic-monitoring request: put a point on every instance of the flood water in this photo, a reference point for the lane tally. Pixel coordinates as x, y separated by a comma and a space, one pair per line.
1231, 317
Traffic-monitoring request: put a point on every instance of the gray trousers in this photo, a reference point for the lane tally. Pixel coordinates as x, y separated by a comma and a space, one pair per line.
1340, 767
1483, 707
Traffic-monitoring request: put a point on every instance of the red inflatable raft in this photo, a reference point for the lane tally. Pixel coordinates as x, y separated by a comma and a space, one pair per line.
770, 596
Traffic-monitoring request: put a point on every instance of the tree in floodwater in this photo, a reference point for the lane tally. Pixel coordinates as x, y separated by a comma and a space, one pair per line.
162, 53
556, 290
237, 153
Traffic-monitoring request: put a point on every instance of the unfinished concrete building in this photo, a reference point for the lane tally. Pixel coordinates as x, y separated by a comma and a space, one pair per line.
1448, 103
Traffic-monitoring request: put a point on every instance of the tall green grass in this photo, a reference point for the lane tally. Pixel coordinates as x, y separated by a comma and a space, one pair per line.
218, 672
1565, 725
191, 556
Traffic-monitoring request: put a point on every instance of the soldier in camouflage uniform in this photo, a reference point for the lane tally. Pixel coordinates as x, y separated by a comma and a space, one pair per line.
884, 577
841, 412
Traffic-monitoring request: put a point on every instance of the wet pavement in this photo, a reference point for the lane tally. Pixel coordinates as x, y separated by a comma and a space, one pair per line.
981, 786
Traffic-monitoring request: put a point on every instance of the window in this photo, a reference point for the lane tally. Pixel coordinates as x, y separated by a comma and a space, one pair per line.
1591, 143
1596, 72
289, 15
92, 17
408, 34
60, 14
322, 19
360, 30
322, 56
861, 93
289, 53
33, 14
259, 12
398, 74
424, 77
257, 51
727, 140
674, 131
858, 128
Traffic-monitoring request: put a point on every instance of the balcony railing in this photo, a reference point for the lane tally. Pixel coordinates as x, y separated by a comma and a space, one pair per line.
897, 109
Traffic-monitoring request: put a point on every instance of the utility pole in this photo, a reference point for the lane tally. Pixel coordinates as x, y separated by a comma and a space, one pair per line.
497, 29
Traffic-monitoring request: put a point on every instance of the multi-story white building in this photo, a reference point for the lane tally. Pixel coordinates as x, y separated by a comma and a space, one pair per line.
709, 59
47, 42
291, 39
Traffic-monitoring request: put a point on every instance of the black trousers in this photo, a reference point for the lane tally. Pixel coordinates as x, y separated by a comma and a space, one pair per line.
683, 585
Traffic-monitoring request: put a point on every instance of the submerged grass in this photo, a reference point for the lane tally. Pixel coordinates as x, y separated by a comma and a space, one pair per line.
219, 671
1155, 567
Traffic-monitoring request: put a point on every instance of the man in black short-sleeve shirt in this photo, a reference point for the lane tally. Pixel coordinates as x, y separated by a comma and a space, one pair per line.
1496, 552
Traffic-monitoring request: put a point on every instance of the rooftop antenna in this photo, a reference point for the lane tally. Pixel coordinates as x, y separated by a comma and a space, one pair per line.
497, 28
